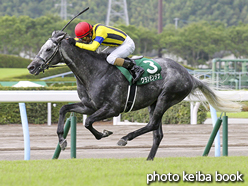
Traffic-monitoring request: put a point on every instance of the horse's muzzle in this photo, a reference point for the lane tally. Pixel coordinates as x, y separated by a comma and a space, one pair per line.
34, 69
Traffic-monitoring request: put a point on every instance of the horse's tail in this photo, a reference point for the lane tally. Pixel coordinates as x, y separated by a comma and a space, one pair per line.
220, 104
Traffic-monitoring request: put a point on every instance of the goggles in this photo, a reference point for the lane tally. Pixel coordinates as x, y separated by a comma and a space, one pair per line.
83, 38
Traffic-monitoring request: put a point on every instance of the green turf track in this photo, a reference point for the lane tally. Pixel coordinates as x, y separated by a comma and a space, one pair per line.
231, 115
117, 172
12, 72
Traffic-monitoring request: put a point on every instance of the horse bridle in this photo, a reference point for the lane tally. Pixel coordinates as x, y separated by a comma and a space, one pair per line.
47, 62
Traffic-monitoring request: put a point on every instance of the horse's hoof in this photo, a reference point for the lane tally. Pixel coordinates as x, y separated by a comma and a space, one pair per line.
122, 142
149, 159
106, 133
63, 144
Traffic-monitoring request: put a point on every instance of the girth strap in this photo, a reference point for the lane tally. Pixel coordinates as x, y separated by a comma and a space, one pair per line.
131, 96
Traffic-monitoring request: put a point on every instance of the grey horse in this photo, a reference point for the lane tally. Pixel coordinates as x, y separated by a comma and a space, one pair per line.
102, 89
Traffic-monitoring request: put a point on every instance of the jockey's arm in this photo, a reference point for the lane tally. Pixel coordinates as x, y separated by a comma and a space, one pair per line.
93, 46
95, 43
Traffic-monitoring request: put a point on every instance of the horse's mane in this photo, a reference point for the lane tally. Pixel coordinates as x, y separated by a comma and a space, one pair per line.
93, 54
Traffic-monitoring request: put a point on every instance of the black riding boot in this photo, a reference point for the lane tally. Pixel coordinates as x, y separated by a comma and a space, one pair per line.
135, 71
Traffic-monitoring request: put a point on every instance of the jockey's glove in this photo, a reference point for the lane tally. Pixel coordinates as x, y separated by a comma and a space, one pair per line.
72, 41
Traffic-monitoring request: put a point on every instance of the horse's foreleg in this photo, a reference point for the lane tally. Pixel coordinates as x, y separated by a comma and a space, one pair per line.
100, 114
76, 107
60, 128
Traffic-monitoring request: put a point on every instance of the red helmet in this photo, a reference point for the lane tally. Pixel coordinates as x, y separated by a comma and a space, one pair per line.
82, 29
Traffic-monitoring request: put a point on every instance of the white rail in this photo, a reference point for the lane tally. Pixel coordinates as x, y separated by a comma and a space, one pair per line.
39, 96
72, 96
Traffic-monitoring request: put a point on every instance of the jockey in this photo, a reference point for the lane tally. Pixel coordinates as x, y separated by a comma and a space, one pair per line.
120, 45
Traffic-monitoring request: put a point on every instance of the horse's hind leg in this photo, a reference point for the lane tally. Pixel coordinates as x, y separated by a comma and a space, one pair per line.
164, 102
157, 136
157, 133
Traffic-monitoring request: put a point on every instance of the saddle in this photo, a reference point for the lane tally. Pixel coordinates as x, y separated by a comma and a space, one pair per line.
136, 57
152, 73
152, 70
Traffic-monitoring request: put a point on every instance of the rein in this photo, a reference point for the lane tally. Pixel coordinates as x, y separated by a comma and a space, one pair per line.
47, 62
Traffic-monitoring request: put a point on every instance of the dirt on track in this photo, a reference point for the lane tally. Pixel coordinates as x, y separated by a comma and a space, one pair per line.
178, 141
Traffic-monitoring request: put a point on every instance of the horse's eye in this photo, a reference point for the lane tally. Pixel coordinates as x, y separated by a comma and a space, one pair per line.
48, 49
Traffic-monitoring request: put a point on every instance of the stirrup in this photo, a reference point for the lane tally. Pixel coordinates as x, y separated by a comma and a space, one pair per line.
137, 70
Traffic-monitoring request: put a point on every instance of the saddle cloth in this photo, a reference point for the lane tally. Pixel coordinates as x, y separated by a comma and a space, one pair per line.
152, 71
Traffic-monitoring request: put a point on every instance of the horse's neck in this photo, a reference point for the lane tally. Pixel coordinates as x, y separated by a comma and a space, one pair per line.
86, 68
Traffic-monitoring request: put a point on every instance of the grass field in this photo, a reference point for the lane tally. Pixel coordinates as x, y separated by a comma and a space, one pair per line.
12, 72
120, 172
231, 115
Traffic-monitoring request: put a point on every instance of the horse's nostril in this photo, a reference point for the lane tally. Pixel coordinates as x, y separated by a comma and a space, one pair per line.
31, 68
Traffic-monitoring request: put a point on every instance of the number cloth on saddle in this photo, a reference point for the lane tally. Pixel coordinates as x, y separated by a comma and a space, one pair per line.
152, 71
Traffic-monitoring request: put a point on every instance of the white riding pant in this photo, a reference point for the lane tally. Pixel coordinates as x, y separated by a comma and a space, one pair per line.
122, 51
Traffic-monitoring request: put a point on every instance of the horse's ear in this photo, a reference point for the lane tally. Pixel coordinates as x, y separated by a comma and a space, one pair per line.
62, 36
53, 33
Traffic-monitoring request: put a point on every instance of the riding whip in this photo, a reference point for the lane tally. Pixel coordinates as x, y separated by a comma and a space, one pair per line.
75, 17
